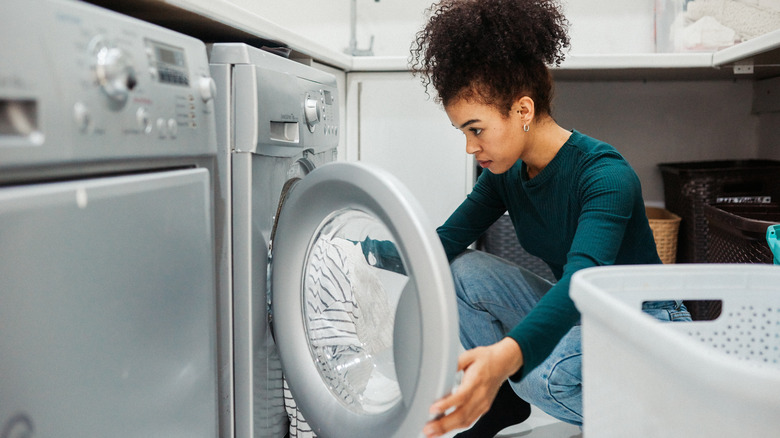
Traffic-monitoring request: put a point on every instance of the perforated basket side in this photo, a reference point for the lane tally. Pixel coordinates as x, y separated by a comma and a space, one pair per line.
698, 379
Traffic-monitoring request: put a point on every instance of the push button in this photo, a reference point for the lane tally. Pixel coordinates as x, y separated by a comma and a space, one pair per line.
173, 128
143, 120
82, 116
162, 128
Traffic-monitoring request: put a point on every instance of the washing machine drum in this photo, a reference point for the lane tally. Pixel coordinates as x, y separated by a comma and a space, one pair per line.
363, 303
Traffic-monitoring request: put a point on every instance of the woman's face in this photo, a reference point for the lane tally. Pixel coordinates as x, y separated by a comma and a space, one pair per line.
495, 140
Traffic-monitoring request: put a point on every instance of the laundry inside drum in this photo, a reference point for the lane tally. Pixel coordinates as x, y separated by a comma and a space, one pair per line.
353, 280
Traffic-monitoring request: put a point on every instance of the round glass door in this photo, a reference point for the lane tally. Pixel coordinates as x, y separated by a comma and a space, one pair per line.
350, 255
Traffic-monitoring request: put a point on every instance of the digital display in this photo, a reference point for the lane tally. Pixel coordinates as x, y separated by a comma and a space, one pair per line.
169, 62
168, 56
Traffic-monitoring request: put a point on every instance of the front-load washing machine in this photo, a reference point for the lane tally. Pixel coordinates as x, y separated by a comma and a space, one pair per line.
331, 277
107, 274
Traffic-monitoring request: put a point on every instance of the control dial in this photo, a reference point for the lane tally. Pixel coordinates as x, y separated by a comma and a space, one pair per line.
313, 112
207, 88
115, 73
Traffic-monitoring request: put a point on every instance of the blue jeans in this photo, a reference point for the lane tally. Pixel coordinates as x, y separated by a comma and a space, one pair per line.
493, 297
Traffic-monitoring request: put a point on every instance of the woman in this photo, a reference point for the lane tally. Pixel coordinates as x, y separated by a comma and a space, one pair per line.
574, 201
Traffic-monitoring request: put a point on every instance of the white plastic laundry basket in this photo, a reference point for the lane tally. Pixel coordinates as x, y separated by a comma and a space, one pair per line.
647, 378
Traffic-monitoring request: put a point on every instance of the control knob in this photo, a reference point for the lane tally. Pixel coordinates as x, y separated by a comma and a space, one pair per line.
207, 88
115, 74
313, 111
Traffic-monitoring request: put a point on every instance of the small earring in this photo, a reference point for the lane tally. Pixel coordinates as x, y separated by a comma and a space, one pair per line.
526, 128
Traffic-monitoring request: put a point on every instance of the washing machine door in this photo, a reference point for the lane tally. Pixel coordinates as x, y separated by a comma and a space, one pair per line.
363, 304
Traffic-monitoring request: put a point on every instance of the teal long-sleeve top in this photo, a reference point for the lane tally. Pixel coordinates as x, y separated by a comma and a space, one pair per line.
584, 209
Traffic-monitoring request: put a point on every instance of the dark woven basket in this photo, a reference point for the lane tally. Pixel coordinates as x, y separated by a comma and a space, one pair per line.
500, 239
689, 186
737, 235
738, 232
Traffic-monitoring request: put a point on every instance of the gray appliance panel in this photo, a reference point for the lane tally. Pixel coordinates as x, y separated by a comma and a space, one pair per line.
259, 404
262, 141
257, 183
97, 86
108, 307
424, 326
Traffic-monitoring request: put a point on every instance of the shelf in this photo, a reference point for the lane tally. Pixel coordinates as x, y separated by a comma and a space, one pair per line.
761, 54
767, 45
638, 66
593, 67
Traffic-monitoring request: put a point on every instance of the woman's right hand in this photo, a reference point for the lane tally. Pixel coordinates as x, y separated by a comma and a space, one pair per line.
484, 371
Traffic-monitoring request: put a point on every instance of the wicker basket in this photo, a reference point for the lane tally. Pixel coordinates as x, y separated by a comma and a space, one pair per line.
665, 226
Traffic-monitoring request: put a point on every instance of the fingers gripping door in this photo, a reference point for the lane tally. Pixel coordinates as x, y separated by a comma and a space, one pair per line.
363, 304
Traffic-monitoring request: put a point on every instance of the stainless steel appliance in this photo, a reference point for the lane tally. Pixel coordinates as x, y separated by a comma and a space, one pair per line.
107, 269
343, 288
263, 141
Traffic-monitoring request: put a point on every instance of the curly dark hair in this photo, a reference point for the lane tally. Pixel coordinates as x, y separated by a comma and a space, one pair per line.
491, 51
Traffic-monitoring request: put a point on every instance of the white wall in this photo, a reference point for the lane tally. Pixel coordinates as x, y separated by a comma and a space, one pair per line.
611, 26
392, 22
392, 124
597, 26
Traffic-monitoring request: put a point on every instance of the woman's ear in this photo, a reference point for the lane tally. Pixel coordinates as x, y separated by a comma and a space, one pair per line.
524, 109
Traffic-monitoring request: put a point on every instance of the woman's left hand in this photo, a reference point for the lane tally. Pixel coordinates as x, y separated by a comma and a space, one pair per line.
484, 371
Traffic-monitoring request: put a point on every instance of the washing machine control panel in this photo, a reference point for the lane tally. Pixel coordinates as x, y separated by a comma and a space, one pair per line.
281, 107
98, 85
320, 118
319, 109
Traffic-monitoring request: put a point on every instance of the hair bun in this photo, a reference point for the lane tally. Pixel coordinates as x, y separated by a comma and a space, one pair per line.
475, 40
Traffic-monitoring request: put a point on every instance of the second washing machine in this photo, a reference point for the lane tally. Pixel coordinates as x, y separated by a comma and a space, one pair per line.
329, 275
107, 279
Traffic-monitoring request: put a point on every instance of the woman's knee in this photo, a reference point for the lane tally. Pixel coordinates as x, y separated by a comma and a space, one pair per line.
565, 381
467, 268
465, 263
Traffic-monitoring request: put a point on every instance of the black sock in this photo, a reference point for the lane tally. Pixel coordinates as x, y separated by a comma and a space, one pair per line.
507, 409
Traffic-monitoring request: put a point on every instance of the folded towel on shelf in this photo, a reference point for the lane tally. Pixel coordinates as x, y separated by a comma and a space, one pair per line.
707, 34
748, 20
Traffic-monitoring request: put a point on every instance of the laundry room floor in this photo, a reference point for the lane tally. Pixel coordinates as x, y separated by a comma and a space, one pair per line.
538, 425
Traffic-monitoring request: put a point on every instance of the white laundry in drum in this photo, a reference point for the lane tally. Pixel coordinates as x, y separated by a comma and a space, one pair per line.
350, 310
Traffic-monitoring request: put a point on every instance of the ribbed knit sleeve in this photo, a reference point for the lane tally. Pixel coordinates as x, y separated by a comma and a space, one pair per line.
481, 208
607, 191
